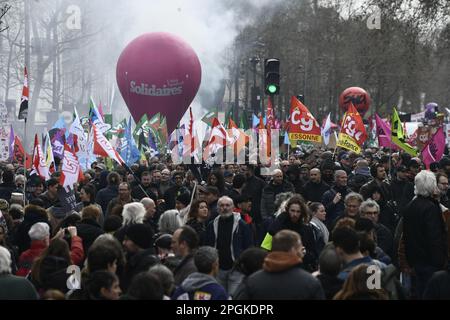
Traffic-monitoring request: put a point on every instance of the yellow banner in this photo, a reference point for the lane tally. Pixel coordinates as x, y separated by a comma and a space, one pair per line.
347, 142
305, 137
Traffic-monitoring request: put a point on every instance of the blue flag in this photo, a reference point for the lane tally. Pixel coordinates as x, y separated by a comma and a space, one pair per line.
129, 153
255, 121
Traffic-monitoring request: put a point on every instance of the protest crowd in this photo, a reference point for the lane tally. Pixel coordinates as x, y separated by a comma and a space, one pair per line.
310, 230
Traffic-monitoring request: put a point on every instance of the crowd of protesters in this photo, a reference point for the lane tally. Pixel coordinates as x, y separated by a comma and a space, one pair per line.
314, 229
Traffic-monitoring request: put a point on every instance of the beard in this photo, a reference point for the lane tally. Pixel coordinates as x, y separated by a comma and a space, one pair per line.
226, 215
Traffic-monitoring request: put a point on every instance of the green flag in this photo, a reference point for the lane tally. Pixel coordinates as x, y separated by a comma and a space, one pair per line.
163, 134
109, 119
398, 135
140, 127
243, 124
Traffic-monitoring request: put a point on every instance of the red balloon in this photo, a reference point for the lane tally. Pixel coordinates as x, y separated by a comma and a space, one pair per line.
358, 96
158, 72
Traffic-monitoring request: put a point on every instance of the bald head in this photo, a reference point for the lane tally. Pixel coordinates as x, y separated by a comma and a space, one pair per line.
314, 175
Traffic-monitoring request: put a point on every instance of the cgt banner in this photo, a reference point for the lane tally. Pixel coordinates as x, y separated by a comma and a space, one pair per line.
303, 126
353, 133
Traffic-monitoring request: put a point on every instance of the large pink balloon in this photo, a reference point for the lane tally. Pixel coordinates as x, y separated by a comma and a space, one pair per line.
158, 72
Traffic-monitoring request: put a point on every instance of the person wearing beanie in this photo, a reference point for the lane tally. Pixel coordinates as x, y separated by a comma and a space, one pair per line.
138, 244
173, 192
327, 169
40, 238
360, 176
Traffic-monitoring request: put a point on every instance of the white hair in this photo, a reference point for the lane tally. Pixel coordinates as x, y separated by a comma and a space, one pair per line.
133, 212
227, 198
425, 183
369, 203
5, 261
169, 221
39, 231
276, 171
147, 201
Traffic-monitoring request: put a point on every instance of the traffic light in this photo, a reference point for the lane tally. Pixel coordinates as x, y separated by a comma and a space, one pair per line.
272, 76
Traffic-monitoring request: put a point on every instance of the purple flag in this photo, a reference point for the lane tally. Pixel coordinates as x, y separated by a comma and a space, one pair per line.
384, 134
58, 140
434, 150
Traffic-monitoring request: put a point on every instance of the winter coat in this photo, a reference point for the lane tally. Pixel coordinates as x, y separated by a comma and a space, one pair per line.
334, 210
52, 275
438, 287
16, 288
314, 191
200, 286
22, 239
185, 268
137, 263
171, 195
402, 192
281, 279
253, 188
268, 197
88, 230
105, 195
306, 233
241, 238
385, 239
330, 284
425, 233
200, 228
47, 201
27, 257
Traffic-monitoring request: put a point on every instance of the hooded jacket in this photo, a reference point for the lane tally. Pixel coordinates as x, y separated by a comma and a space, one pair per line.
241, 237
200, 286
281, 279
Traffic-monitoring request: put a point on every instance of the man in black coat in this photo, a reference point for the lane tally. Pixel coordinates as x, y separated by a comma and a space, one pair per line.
333, 199
138, 190
276, 186
281, 276
253, 188
173, 192
424, 232
138, 244
402, 189
315, 188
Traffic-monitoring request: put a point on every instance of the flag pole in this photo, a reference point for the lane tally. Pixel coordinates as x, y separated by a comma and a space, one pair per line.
25, 161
